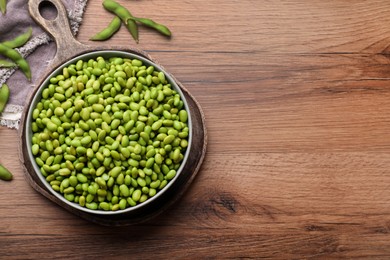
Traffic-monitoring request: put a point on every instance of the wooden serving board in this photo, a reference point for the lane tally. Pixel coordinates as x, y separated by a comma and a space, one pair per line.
67, 48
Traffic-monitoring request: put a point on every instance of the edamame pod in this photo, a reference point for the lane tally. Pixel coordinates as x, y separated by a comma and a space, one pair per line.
17, 58
109, 31
4, 95
124, 15
19, 40
7, 64
150, 23
3, 6
5, 174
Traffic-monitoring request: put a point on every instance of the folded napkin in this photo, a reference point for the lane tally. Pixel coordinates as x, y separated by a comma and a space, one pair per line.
39, 51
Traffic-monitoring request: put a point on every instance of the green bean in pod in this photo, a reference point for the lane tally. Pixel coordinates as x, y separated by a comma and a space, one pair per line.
17, 58
3, 6
109, 31
5, 174
124, 14
4, 96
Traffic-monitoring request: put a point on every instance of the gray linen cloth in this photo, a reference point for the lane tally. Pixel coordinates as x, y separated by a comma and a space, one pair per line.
39, 51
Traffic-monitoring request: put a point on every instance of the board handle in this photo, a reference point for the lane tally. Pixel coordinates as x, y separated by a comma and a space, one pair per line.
58, 27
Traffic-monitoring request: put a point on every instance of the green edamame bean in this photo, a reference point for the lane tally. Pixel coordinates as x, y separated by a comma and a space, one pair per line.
122, 204
152, 192
115, 171
145, 190
141, 182
35, 149
143, 198
183, 116
70, 197
104, 205
81, 178
176, 155
101, 182
92, 205
136, 195
110, 182
68, 190
109, 31
73, 181
170, 175
124, 190
115, 207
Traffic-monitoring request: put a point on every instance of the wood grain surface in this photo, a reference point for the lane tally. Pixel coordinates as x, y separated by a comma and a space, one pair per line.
296, 98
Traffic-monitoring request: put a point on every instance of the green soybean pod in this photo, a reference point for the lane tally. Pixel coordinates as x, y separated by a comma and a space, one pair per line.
124, 14
19, 40
6, 63
17, 58
5, 174
150, 23
109, 31
3, 6
4, 95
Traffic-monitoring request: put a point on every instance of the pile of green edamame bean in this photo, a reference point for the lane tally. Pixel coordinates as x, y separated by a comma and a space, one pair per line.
109, 134
123, 15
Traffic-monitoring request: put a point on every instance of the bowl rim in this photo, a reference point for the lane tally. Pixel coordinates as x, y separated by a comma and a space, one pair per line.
105, 54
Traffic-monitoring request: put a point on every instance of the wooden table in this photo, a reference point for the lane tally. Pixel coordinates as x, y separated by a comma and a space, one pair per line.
297, 102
